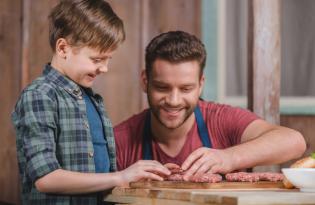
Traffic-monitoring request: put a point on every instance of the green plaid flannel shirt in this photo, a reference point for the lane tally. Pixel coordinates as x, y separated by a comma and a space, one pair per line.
52, 132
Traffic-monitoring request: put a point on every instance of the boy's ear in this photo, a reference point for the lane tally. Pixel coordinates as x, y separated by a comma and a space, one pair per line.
62, 48
144, 81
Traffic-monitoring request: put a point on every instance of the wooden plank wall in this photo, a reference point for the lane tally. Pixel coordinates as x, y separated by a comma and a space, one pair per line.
25, 49
304, 124
10, 44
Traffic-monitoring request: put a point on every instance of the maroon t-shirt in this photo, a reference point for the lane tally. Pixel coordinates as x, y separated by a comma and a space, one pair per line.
225, 125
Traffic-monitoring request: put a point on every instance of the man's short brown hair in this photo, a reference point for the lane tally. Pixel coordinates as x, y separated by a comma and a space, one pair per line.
175, 47
90, 23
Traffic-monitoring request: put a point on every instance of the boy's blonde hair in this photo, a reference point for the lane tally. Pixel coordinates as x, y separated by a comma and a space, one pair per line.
90, 23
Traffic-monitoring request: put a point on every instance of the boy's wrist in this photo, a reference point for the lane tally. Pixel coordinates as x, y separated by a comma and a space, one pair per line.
117, 178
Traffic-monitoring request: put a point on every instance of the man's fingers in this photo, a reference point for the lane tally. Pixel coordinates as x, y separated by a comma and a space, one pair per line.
215, 169
192, 158
194, 168
205, 167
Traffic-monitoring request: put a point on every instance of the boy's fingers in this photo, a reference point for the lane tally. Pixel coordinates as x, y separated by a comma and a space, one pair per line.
156, 168
151, 176
171, 166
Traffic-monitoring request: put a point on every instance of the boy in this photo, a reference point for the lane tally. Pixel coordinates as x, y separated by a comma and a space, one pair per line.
64, 138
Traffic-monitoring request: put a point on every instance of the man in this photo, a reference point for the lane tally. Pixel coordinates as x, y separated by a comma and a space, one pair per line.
199, 136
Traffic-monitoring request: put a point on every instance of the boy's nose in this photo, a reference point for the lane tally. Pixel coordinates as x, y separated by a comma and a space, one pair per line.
103, 69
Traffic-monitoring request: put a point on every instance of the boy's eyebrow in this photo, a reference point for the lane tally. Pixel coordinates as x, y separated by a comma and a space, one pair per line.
101, 56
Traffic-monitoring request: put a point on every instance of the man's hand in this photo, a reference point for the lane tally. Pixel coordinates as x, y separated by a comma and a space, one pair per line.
143, 169
206, 160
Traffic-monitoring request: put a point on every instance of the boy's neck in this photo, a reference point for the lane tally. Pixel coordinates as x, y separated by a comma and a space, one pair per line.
171, 141
57, 64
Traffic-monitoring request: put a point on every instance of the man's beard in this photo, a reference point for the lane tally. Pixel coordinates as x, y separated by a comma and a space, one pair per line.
155, 110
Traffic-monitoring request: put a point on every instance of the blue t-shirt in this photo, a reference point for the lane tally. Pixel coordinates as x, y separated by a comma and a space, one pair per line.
101, 157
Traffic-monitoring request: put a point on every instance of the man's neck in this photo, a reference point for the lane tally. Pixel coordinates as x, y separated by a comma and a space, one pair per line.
171, 141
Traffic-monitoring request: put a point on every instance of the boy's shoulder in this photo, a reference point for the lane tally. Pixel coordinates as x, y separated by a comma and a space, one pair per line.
41, 85
50, 83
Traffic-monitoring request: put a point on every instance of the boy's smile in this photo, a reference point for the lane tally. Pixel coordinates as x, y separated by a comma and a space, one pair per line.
80, 64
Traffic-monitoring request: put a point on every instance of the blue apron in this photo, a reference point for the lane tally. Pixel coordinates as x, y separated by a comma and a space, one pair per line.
146, 139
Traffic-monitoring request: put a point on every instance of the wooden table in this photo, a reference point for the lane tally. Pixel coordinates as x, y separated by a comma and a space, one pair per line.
169, 196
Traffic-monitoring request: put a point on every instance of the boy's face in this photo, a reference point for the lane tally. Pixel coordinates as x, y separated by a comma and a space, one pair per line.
173, 91
83, 64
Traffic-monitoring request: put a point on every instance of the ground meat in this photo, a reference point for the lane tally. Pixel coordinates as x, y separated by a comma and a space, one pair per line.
176, 171
269, 176
242, 177
210, 178
253, 177
175, 177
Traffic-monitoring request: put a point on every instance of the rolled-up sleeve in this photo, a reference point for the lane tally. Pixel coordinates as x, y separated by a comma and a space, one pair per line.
35, 119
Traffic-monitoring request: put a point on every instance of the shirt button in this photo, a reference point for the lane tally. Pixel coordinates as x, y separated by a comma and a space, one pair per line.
86, 124
76, 91
91, 154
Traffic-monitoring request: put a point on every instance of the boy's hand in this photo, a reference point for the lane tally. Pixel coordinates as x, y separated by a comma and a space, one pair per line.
171, 166
206, 160
143, 169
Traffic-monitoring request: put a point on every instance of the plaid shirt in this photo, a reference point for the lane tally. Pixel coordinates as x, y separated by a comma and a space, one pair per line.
52, 132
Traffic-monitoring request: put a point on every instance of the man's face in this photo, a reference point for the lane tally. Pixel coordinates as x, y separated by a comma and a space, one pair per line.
173, 91
82, 65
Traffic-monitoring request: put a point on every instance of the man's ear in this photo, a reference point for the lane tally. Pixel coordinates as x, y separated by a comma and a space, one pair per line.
62, 48
144, 81
201, 83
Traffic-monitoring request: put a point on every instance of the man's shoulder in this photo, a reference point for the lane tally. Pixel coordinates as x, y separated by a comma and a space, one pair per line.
211, 106
132, 124
218, 109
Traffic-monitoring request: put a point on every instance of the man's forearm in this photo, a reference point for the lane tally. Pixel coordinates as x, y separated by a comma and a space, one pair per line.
69, 182
273, 147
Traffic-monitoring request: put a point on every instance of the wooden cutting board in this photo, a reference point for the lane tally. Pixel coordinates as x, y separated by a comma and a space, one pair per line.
205, 185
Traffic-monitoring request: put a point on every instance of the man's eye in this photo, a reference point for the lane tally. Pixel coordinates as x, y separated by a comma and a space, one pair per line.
161, 88
186, 89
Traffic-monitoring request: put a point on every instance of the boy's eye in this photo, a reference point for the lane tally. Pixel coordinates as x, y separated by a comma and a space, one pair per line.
96, 60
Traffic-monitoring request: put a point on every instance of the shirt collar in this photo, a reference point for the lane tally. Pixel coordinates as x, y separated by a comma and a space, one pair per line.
66, 83
62, 81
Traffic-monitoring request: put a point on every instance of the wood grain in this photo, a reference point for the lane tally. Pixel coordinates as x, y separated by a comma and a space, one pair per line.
205, 185
162, 196
264, 58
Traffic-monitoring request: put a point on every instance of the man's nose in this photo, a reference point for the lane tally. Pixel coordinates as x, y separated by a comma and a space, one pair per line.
173, 98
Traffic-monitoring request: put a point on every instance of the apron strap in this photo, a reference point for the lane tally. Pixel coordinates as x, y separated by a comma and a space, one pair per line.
202, 128
146, 137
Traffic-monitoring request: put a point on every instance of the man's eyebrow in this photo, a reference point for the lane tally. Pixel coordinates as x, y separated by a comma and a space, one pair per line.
158, 82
